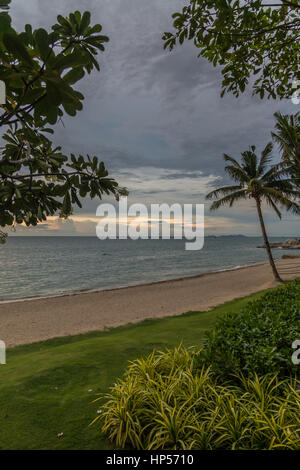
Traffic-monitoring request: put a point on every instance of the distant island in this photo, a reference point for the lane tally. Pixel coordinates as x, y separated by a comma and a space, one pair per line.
227, 236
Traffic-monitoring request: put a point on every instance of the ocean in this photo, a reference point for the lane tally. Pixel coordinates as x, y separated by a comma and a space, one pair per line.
47, 266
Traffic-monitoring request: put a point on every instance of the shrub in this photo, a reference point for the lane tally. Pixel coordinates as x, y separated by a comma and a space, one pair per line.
259, 338
164, 403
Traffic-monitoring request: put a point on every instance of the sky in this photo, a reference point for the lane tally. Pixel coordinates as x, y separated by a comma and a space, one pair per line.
156, 117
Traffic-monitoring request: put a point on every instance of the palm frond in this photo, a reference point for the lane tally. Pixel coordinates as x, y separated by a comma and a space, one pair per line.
286, 186
229, 200
276, 172
265, 160
235, 163
237, 174
278, 197
288, 134
273, 205
249, 160
224, 191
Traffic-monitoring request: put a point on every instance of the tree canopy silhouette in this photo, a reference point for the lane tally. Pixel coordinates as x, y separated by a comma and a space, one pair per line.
40, 70
255, 42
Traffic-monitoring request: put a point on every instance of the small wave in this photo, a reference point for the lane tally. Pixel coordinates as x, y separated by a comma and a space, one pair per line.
118, 287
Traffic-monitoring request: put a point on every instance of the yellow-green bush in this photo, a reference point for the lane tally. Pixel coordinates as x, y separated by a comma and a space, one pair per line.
163, 402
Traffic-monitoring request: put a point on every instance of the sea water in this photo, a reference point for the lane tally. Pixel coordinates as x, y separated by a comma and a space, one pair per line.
47, 266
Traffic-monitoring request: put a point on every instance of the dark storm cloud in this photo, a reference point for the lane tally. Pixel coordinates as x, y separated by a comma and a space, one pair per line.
149, 108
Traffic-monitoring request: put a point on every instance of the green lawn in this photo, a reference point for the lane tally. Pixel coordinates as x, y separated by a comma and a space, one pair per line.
44, 387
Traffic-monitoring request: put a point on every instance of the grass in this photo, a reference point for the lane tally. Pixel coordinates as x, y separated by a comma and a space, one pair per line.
44, 387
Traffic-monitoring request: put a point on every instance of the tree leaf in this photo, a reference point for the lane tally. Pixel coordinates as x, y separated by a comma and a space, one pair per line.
33, 95
85, 21
41, 37
76, 59
74, 75
15, 46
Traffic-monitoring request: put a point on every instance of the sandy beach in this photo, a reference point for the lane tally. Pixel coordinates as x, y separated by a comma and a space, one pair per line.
29, 321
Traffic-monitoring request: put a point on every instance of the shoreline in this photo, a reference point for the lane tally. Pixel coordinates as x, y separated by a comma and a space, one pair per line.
130, 286
34, 320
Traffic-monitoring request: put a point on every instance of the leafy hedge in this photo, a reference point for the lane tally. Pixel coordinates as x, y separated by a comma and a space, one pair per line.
163, 403
259, 338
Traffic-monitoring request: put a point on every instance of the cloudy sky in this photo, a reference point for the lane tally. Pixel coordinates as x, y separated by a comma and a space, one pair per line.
156, 118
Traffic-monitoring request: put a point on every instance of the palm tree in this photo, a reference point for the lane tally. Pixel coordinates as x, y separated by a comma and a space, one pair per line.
256, 179
288, 139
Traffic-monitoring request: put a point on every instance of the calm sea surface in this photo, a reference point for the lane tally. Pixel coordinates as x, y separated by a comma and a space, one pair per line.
45, 266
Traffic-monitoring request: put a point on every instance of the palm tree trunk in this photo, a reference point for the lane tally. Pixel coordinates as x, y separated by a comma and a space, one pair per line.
266, 241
